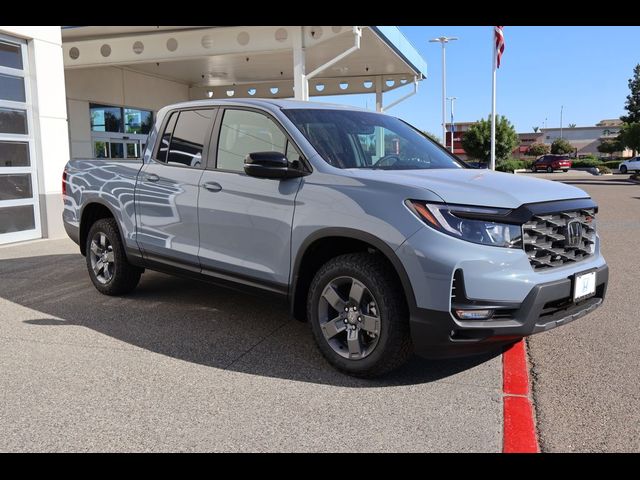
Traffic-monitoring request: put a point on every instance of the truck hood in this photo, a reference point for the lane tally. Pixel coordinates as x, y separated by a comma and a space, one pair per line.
479, 187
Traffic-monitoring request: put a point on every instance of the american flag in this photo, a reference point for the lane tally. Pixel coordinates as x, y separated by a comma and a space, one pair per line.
499, 44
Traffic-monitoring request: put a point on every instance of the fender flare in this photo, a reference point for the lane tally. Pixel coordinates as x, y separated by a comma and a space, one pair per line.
355, 234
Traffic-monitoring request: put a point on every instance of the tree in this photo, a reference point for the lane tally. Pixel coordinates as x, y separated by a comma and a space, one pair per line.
537, 149
630, 136
535, 129
561, 147
477, 140
572, 125
610, 146
632, 105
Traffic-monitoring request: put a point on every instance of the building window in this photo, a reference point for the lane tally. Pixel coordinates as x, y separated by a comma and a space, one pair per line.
119, 132
137, 121
108, 118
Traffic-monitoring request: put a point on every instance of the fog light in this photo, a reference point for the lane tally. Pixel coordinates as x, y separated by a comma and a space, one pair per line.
474, 314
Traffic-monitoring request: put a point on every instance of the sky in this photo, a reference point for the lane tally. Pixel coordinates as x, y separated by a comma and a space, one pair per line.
583, 69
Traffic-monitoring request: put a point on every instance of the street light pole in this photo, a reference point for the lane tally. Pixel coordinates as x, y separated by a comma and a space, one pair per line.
561, 108
443, 41
453, 101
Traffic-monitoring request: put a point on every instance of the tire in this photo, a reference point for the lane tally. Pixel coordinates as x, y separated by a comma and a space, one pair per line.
623, 169
534, 169
549, 169
565, 170
381, 299
120, 276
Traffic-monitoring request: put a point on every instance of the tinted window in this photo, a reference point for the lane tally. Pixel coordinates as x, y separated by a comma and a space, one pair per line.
16, 219
352, 139
13, 187
14, 154
13, 121
161, 155
105, 118
245, 132
10, 55
189, 136
11, 88
137, 121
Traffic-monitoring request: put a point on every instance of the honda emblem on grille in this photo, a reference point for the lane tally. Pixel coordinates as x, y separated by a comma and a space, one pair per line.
574, 234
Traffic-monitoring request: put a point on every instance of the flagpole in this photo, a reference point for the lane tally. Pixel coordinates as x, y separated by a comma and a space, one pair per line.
493, 101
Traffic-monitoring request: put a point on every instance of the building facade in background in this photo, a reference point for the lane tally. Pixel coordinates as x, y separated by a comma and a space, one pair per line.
584, 139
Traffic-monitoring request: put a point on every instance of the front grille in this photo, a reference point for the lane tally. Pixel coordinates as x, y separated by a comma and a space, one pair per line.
544, 238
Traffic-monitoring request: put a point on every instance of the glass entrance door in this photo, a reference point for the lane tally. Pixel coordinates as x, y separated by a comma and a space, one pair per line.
19, 207
110, 147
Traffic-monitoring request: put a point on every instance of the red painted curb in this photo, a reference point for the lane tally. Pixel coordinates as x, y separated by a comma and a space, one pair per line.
519, 432
519, 429
515, 374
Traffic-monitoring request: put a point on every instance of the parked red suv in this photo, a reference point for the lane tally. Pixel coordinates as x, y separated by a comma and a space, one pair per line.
551, 163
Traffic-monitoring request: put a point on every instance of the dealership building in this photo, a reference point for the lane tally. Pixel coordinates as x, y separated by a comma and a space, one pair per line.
93, 91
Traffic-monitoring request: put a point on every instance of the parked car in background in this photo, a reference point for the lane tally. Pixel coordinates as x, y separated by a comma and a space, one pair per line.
550, 163
633, 164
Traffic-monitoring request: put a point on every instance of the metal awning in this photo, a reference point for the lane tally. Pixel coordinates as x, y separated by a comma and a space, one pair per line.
255, 61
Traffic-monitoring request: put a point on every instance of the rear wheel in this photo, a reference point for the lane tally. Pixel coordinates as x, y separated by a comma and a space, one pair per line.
623, 169
565, 170
358, 315
534, 169
109, 269
549, 169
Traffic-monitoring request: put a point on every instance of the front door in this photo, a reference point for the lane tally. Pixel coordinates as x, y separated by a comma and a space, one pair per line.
167, 191
107, 146
245, 222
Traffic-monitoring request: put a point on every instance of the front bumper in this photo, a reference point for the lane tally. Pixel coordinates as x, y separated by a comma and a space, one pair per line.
548, 305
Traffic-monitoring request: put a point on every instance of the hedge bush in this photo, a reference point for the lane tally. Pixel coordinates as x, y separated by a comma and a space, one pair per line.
612, 164
603, 169
510, 165
586, 163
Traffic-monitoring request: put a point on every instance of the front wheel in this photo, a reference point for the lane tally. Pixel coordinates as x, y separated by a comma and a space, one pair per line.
549, 170
109, 269
358, 315
623, 169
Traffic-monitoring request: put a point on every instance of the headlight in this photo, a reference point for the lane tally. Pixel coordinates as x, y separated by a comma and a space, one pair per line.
467, 223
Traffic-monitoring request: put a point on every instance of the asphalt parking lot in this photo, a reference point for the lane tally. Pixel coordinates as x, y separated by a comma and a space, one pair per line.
586, 375
187, 366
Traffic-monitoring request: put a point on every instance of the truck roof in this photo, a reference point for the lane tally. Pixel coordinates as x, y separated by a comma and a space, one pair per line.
268, 103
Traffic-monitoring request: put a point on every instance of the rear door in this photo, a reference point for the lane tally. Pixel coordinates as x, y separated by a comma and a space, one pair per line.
245, 222
168, 188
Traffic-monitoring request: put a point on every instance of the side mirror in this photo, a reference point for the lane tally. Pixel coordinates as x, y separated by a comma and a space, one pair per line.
270, 165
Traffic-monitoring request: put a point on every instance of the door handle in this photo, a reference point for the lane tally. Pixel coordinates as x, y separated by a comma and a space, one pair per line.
152, 177
212, 186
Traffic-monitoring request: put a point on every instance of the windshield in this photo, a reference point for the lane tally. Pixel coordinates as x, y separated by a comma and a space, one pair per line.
349, 139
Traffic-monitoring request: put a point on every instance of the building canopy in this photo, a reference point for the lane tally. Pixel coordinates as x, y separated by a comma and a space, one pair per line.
254, 61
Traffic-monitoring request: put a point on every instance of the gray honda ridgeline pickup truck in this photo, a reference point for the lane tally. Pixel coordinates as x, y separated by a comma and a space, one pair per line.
377, 236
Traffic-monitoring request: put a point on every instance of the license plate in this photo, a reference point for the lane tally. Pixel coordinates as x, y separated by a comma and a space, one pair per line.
584, 286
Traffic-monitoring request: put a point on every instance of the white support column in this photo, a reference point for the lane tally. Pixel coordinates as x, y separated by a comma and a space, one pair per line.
378, 94
379, 130
300, 83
